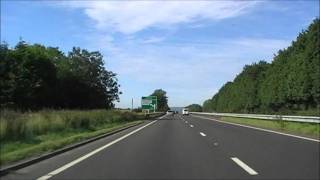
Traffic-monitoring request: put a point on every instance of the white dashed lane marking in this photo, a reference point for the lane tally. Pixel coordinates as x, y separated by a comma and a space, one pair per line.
244, 166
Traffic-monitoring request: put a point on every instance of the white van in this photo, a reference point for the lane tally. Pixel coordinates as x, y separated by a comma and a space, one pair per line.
185, 111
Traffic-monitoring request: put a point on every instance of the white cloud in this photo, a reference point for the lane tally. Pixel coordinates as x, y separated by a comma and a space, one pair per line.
132, 16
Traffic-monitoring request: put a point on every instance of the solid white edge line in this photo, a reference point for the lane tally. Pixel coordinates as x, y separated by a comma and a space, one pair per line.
66, 166
203, 134
266, 130
244, 166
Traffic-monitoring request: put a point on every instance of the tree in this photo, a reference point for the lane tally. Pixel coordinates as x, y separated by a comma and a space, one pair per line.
289, 84
86, 83
35, 77
162, 99
207, 105
195, 108
7, 76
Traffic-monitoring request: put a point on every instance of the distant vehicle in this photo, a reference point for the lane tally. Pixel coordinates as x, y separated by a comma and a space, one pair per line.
169, 112
185, 111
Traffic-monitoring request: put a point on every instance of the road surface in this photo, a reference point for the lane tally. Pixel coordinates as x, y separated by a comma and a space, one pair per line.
183, 147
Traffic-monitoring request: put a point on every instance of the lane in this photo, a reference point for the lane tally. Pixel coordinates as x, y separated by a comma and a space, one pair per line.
185, 147
44, 167
274, 156
92, 153
168, 149
256, 128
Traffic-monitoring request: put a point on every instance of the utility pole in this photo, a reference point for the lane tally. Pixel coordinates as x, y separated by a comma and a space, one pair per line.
131, 104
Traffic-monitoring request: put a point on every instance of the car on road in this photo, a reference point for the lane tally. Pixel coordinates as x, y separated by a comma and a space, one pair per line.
185, 111
169, 112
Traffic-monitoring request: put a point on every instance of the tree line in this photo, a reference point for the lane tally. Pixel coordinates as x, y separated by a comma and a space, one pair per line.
33, 76
194, 108
289, 84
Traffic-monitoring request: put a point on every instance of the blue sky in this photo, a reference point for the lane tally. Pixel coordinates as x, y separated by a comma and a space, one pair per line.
188, 48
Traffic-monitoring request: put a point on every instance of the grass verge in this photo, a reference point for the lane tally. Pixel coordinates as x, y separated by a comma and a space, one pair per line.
18, 150
303, 129
25, 135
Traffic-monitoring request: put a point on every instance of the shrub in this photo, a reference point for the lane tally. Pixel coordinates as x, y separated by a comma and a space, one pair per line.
26, 126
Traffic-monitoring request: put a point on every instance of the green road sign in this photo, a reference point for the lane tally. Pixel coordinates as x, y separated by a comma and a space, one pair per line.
149, 103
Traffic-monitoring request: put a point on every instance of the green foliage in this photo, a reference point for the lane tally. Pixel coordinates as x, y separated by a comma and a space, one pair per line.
16, 150
289, 84
207, 106
162, 99
27, 126
195, 108
137, 110
35, 77
299, 128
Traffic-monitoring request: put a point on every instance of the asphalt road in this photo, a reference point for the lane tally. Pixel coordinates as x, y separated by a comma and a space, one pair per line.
184, 147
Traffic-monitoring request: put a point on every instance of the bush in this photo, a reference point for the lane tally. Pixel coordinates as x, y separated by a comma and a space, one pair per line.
26, 126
